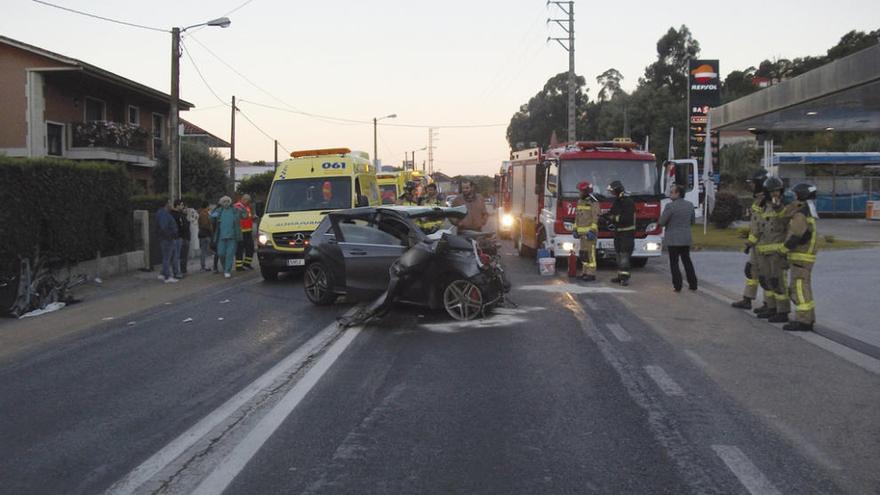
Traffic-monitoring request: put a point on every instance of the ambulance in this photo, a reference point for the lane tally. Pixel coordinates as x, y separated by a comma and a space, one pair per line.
305, 188
390, 186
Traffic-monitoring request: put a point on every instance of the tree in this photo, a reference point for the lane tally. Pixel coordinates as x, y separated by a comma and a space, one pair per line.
852, 42
610, 84
546, 112
737, 84
866, 143
202, 169
737, 162
257, 185
674, 50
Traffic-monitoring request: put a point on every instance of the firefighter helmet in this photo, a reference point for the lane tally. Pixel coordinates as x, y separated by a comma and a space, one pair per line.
804, 191
585, 187
773, 184
616, 188
757, 179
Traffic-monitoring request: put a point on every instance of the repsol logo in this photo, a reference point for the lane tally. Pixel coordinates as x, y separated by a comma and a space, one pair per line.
333, 165
704, 87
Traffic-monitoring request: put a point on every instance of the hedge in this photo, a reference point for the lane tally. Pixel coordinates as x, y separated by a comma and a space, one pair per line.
67, 209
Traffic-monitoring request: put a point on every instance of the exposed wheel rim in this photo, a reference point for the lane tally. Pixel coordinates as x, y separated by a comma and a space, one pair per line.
316, 283
463, 300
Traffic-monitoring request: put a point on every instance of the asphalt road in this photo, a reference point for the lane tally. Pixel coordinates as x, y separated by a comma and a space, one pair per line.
577, 389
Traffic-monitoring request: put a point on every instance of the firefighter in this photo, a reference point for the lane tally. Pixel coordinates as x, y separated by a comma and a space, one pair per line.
773, 264
408, 197
623, 218
430, 225
587, 229
244, 255
800, 247
750, 293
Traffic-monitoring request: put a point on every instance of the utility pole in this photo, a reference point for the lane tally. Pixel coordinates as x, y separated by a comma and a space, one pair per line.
569, 10
432, 132
173, 119
232, 152
276, 155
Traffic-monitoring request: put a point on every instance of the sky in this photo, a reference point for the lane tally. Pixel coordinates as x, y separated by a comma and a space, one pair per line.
433, 63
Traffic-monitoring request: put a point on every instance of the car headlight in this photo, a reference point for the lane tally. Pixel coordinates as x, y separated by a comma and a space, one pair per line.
651, 227
507, 220
652, 246
262, 238
569, 226
568, 246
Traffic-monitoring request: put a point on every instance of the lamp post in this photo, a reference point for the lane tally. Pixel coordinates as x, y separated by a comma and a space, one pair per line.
174, 117
414, 158
375, 145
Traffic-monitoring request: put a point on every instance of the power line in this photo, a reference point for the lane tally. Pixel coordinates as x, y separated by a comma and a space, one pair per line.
202, 77
261, 130
101, 17
237, 8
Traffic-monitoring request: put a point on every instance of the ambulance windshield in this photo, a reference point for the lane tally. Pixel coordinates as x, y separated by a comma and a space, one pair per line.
638, 177
332, 193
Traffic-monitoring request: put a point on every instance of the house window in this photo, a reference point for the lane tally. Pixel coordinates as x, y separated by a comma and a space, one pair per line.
54, 139
158, 132
95, 110
134, 115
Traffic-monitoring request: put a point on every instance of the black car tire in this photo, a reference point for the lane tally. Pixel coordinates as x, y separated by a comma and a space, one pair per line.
318, 284
269, 274
463, 300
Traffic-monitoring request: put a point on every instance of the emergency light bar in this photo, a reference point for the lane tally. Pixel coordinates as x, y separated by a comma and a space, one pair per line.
327, 151
595, 145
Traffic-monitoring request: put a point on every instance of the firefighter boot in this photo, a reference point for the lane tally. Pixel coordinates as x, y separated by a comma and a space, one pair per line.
797, 326
588, 278
762, 309
745, 303
778, 318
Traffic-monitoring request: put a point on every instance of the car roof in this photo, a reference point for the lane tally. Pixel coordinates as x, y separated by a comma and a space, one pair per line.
404, 211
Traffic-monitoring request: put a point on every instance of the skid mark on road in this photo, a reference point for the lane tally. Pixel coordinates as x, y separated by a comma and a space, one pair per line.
748, 474
499, 317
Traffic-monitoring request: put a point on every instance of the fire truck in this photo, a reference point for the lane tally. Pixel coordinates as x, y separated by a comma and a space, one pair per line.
504, 221
542, 190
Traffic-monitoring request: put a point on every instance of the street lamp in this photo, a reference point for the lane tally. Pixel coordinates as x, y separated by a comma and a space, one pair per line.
375, 146
414, 158
174, 117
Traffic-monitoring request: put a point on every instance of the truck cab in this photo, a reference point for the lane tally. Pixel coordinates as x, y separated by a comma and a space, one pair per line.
305, 188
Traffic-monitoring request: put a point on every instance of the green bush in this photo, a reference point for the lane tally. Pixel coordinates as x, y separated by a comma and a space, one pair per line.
65, 208
203, 172
727, 210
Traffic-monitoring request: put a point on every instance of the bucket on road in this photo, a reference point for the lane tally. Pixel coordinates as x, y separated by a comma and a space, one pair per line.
547, 266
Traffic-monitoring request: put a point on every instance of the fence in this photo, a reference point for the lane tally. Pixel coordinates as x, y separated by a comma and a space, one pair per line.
845, 195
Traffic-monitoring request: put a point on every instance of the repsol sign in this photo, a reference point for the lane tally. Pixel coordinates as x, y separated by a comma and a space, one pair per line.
704, 87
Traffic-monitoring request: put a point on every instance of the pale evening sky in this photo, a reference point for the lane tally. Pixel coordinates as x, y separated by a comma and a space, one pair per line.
449, 62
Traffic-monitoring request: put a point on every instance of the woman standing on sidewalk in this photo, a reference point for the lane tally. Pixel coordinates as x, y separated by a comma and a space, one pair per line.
228, 233
677, 218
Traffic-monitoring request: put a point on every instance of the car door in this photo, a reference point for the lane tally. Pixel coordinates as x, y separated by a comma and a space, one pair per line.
368, 252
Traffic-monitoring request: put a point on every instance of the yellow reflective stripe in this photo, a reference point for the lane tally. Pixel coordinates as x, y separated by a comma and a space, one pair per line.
780, 297
805, 257
579, 207
756, 208
805, 307
589, 265
769, 248
751, 282
769, 294
753, 238
594, 226
784, 250
583, 230
812, 223
627, 229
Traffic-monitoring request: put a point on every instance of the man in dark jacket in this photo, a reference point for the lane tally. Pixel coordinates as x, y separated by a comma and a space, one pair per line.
677, 218
179, 212
623, 217
169, 234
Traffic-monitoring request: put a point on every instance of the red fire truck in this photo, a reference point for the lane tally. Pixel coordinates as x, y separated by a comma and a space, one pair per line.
542, 189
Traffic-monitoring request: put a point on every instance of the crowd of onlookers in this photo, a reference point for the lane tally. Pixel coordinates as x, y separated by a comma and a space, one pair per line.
223, 230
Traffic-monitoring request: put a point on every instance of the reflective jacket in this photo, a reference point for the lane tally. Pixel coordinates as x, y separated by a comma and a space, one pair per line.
800, 239
773, 225
247, 218
757, 214
587, 216
623, 214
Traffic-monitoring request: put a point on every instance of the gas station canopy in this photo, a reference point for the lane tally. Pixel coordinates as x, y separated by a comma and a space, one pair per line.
843, 95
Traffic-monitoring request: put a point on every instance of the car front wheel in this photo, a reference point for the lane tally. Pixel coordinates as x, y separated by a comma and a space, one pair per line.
317, 284
463, 300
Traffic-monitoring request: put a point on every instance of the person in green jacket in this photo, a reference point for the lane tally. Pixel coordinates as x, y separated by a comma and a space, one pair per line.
227, 235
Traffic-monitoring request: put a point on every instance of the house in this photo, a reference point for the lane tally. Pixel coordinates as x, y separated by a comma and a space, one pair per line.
53, 105
193, 134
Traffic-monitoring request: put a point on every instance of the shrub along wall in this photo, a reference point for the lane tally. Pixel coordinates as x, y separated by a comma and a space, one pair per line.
66, 208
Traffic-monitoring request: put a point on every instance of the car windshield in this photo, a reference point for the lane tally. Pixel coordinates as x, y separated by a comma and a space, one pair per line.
389, 193
638, 177
319, 193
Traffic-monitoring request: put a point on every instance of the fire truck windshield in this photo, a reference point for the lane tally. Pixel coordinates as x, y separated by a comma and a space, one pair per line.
639, 178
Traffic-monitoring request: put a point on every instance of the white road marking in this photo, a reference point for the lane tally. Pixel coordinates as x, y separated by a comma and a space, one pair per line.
592, 304
664, 381
748, 474
164, 457
618, 332
697, 359
498, 317
863, 361
574, 289
229, 468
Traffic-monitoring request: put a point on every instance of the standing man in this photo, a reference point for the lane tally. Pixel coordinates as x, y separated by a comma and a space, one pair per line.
587, 229
677, 218
168, 231
431, 197
477, 216
227, 232
773, 264
800, 247
750, 293
182, 242
244, 255
623, 217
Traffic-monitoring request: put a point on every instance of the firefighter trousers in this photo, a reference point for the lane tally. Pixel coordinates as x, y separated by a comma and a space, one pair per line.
244, 255
802, 293
624, 244
773, 277
588, 256
751, 290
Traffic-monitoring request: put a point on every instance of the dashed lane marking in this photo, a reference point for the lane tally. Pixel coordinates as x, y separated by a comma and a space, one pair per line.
664, 381
592, 304
618, 332
746, 472
574, 289
696, 358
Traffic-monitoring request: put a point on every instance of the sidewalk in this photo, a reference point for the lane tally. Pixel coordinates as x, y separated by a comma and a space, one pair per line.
844, 287
114, 299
